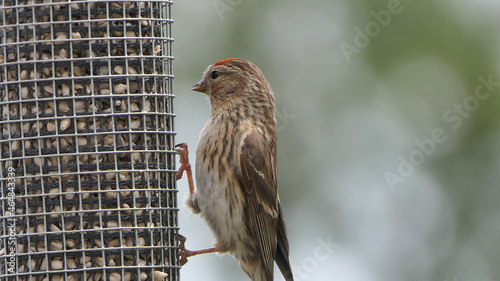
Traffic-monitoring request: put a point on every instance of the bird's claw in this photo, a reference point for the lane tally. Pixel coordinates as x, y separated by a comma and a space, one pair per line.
180, 146
182, 257
183, 253
182, 150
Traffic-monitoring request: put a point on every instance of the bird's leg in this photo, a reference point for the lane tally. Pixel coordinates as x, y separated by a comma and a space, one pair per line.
182, 150
184, 253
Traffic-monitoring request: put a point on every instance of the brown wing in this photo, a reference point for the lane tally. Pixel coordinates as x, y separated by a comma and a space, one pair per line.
258, 177
263, 210
283, 251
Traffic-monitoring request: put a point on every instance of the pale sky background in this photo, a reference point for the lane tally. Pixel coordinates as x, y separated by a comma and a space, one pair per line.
404, 106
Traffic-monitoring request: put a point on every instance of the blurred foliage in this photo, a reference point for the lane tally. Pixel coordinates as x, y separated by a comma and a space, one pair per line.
345, 123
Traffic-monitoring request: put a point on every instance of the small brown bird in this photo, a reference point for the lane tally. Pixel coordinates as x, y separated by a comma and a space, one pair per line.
236, 171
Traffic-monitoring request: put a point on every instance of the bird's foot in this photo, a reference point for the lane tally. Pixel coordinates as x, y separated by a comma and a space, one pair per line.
182, 150
184, 254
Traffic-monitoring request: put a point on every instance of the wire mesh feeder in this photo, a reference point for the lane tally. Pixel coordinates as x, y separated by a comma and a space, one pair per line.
87, 160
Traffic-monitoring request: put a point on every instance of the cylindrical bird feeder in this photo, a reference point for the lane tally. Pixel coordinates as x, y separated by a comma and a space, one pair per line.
87, 168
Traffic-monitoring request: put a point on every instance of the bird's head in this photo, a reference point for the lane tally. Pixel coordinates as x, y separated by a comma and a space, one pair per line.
235, 82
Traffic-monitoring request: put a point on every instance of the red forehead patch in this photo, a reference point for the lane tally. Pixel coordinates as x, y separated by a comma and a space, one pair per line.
224, 62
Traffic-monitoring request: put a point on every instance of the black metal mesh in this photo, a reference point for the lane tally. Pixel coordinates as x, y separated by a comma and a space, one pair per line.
86, 150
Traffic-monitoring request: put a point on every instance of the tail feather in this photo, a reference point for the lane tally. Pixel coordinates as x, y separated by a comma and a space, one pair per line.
283, 250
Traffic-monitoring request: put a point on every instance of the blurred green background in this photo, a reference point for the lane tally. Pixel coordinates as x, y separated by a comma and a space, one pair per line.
389, 132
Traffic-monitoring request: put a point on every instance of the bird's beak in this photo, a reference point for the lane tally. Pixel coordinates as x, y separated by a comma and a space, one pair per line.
200, 87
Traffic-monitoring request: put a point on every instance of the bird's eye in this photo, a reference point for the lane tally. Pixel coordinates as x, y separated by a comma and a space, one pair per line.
214, 74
